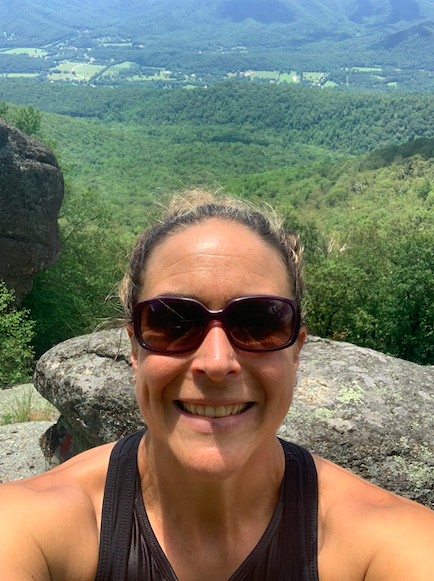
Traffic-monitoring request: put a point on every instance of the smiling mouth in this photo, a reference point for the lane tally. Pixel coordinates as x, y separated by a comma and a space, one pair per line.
209, 411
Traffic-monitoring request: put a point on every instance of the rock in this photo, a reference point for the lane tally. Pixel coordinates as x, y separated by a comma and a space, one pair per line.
90, 380
21, 454
31, 193
368, 412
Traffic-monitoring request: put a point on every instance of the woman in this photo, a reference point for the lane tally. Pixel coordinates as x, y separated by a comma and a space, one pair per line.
208, 492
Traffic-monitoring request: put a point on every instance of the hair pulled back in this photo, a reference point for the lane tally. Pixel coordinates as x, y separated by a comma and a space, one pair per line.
196, 206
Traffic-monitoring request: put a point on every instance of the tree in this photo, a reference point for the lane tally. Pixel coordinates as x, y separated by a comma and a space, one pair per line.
70, 298
16, 334
28, 120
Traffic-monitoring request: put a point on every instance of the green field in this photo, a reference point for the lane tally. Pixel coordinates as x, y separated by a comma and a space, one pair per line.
291, 77
29, 51
159, 75
366, 70
272, 75
74, 71
122, 66
117, 44
313, 77
18, 75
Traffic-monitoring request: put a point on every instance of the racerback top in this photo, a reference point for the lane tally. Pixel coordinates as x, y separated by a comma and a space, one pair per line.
129, 550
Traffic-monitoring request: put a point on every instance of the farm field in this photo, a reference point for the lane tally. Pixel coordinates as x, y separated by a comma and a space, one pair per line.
290, 77
29, 51
312, 77
74, 71
18, 75
159, 75
366, 70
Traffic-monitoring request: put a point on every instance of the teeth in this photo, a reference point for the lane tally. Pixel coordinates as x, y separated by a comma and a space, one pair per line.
220, 411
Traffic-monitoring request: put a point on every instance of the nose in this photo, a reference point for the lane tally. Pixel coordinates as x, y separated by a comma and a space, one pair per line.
215, 356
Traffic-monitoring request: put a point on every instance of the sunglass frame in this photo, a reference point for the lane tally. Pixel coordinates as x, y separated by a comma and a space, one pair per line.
220, 316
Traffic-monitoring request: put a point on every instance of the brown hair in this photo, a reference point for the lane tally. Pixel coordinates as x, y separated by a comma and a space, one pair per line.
196, 206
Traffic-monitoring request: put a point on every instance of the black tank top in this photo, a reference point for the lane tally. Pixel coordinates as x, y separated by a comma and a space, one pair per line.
129, 550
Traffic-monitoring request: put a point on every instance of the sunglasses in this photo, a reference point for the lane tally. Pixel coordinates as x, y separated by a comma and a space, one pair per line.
177, 325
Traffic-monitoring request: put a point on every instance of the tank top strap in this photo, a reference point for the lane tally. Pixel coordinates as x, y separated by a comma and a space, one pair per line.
117, 509
300, 519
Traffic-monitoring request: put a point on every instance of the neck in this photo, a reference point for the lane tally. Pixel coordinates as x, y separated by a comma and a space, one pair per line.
200, 504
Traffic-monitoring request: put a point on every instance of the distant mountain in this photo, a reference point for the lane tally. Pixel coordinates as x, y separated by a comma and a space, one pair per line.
419, 32
192, 23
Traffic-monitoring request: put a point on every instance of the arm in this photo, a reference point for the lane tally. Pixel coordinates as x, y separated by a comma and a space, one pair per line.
47, 535
368, 534
21, 557
404, 545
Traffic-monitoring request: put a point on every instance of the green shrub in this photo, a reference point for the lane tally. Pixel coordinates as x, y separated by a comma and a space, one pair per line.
16, 334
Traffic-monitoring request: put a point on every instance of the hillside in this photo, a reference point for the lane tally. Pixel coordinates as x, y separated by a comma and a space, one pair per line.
366, 221
202, 24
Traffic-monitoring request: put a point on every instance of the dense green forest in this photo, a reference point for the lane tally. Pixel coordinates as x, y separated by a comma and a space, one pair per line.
353, 173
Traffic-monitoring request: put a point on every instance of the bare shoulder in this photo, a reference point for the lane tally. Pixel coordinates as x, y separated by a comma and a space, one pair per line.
49, 524
369, 534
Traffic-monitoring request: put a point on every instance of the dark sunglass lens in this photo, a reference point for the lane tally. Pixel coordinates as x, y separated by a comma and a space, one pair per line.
262, 324
171, 325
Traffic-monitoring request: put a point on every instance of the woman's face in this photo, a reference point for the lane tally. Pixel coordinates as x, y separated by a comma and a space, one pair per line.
214, 262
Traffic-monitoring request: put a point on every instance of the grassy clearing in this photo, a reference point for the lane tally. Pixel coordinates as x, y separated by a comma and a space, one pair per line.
366, 70
117, 44
330, 84
291, 77
272, 75
122, 66
71, 71
25, 405
313, 77
29, 51
16, 75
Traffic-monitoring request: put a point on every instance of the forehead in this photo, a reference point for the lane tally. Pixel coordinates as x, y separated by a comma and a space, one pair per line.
216, 260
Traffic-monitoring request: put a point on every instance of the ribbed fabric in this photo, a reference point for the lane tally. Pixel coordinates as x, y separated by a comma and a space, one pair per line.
129, 550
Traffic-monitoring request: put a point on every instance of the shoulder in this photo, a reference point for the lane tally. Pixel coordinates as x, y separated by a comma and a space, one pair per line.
49, 524
370, 533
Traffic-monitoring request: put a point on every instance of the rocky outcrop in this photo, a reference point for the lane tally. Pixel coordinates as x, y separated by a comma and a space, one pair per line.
368, 412
90, 379
31, 193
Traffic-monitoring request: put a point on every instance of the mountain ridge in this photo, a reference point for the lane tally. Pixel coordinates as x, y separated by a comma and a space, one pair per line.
139, 19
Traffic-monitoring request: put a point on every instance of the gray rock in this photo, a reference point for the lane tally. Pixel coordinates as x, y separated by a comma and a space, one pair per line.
368, 412
21, 454
31, 193
89, 380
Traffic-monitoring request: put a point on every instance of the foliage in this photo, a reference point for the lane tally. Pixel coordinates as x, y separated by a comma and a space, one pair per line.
16, 334
366, 222
26, 119
72, 297
25, 407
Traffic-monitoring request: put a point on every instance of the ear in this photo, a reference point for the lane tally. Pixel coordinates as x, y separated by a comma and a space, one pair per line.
134, 347
297, 348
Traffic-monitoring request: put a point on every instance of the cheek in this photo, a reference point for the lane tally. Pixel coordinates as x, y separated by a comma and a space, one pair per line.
157, 376
280, 378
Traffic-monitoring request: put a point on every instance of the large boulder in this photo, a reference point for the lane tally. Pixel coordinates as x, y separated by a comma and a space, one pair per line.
368, 412
31, 193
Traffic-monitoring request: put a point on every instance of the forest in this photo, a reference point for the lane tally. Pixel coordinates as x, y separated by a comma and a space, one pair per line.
354, 174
